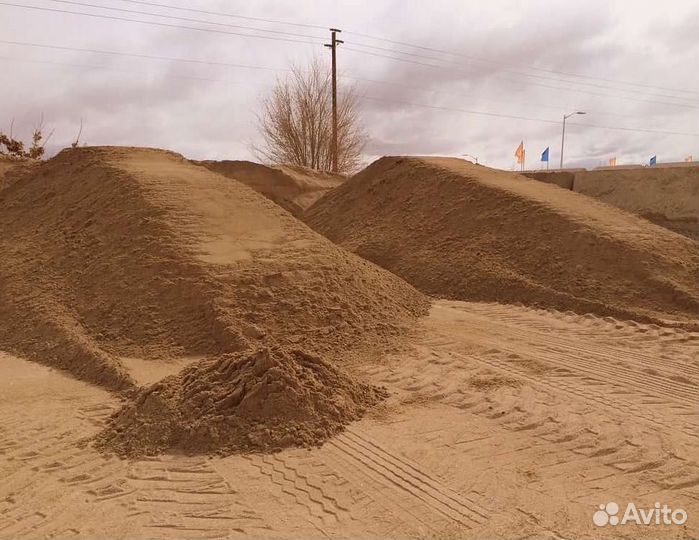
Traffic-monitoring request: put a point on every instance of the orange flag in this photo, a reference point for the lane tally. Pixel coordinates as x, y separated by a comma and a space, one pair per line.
612, 162
519, 153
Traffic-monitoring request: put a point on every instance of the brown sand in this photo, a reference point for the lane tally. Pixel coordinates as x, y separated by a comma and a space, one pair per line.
667, 196
111, 253
293, 188
12, 170
461, 231
563, 179
503, 422
261, 401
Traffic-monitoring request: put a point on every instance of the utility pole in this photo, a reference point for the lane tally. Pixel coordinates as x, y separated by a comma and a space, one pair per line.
333, 46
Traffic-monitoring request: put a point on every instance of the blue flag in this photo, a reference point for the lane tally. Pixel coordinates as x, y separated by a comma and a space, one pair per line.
545, 155
653, 160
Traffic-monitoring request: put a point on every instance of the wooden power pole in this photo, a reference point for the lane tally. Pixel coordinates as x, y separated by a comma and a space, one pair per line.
333, 47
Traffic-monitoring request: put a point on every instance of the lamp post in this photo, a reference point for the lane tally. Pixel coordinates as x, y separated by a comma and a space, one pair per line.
563, 135
472, 157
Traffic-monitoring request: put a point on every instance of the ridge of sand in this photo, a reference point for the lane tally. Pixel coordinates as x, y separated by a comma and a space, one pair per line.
666, 196
261, 401
114, 252
294, 188
462, 231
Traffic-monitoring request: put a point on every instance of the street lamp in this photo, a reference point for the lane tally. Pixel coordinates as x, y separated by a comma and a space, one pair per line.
563, 135
472, 157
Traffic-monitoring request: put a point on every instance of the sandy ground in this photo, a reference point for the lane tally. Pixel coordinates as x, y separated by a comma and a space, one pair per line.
503, 422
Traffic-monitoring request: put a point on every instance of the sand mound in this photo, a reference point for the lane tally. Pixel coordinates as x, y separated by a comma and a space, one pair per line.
467, 232
12, 170
667, 196
111, 253
264, 401
291, 187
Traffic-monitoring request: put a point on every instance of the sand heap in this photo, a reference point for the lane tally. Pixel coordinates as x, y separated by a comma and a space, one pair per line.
667, 196
12, 170
466, 232
109, 253
264, 401
291, 187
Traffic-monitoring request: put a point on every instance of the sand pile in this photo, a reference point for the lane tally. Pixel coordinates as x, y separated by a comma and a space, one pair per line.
264, 401
12, 170
291, 187
113, 253
467, 232
667, 196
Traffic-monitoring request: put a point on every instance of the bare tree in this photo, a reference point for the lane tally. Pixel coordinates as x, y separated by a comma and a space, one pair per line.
296, 122
76, 142
14, 149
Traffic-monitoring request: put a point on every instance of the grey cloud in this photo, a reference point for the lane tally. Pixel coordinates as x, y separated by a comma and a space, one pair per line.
208, 111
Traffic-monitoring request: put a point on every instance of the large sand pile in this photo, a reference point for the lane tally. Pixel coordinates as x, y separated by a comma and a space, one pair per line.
108, 253
262, 401
467, 232
291, 187
667, 196
12, 170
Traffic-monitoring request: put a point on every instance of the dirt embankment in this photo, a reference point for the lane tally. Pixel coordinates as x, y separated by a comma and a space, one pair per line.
667, 196
461, 231
291, 187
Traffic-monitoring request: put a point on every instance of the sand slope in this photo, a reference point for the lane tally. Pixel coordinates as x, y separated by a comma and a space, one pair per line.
667, 196
293, 188
111, 253
461, 231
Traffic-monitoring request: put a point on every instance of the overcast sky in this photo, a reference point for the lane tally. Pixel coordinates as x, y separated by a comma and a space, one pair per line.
627, 64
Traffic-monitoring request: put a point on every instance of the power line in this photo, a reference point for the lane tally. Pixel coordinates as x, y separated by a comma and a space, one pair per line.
520, 73
185, 19
349, 48
152, 4
463, 94
530, 119
534, 68
221, 14
373, 98
144, 56
276, 69
154, 23
278, 39
128, 71
386, 40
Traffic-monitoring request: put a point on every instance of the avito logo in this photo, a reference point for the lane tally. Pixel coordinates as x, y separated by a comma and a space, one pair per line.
608, 514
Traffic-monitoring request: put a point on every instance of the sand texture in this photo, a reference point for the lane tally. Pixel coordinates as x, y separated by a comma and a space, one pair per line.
111, 253
667, 196
503, 422
461, 231
181, 357
294, 188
